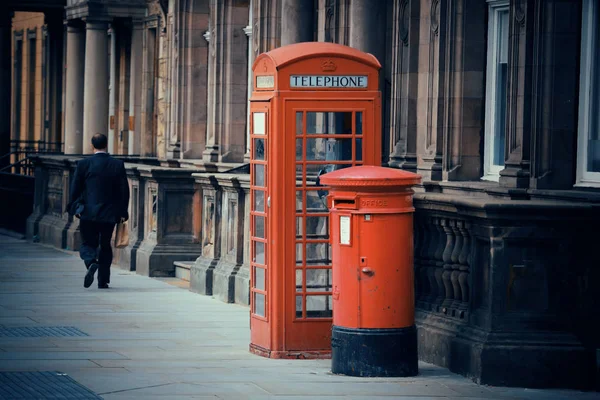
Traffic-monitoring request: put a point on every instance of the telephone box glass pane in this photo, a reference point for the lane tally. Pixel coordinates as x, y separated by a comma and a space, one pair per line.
299, 175
259, 253
259, 149
259, 278
299, 254
358, 150
299, 149
318, 254
329, 149
318, 280
259, 226
259, 304
329, 123
259, 201
298, 306
359, 123
319, 307
317, 227
316, 201
299, 227
299, 200
259, 175
298, 280
299, 122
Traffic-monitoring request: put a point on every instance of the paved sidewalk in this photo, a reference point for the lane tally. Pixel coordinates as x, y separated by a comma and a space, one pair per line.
151, 340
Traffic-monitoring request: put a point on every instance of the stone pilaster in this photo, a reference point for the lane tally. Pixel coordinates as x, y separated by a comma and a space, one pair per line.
297, 17
227, 88
519, 103
126, 258
405, 83
174, 32
555, 94
148, 146
74, 89
5, 86
135, 89
122, 92
431, 83
464, 94
248, 32
334, 20
95, 98
112, 91
194, 61
209, 195
54, 78
266, 26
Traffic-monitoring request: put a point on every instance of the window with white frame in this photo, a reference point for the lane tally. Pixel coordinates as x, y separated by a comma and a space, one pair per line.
496, 84
588, 149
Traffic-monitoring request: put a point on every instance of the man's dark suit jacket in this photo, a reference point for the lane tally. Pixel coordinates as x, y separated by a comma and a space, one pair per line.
99, 191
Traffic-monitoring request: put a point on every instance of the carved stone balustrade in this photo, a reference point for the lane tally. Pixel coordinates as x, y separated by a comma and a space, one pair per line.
499, 287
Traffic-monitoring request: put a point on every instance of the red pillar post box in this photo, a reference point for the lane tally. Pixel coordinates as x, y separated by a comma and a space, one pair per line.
371, 216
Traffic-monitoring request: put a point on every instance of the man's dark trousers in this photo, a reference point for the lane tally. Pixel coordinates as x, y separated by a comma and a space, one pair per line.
94, 234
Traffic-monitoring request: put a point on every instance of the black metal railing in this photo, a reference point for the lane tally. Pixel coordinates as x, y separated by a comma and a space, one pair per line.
19, 157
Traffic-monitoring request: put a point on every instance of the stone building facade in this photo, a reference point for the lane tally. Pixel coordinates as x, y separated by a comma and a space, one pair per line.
495, 103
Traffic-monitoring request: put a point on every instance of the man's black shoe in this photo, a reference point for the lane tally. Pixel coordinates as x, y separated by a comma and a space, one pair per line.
89, 276
105, 286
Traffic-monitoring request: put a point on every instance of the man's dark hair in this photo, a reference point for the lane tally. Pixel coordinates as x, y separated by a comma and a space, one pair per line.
99, 141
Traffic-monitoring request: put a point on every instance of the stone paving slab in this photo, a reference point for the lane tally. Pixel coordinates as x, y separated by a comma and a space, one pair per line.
151, 339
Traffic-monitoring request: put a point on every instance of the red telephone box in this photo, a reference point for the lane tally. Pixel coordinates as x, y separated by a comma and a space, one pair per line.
315, 108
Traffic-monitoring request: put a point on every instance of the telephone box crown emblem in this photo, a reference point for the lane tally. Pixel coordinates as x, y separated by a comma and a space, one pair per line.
328, 65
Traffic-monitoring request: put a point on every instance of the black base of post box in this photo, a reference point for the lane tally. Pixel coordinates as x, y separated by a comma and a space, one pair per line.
374, 352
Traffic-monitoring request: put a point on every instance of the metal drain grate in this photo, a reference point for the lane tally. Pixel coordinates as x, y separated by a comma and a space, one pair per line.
42, 385
41, 331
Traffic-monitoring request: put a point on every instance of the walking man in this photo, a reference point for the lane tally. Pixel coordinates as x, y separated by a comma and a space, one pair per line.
99, 198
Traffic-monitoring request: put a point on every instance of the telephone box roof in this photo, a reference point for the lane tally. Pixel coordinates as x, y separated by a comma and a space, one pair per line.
285, 55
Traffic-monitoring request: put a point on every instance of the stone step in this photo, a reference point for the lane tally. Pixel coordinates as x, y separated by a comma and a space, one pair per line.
182, 269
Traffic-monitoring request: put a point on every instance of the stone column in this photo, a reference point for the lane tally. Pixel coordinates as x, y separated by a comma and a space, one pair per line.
367, 32
95, 106
297, 17
367, 27
5, 86
135, 89
74, 90
227, 88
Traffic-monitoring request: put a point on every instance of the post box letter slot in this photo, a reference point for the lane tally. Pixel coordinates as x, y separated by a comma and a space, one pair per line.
345, 203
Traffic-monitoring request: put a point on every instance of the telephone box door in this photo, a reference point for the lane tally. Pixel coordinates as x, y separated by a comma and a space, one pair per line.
321, 136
